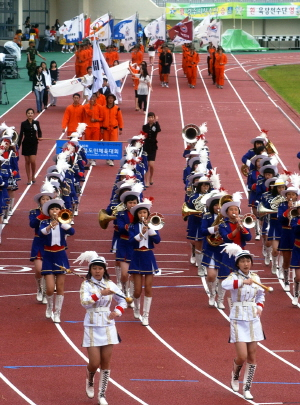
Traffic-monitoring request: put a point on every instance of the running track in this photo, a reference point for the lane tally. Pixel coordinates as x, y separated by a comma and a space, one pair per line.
183, 357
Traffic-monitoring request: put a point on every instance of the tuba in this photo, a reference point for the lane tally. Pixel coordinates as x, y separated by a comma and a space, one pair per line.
190, 133
245, 170
104, 219
270, 148
262, 210
65, 216
156, 221
216, 239
186, 211
276, 201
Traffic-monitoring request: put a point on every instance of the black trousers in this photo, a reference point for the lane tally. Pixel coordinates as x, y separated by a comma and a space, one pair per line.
142, 98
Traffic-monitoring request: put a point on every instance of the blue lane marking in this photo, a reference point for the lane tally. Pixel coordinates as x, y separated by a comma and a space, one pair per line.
53, 365
145, 379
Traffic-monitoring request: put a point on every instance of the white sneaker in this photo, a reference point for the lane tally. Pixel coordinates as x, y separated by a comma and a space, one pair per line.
111, 163
44, 300
193, 259
166, 85
72, 222
247, 394
5, 221
75, 213
102, 401
257, 237
49, 313
10, 213
136, 313
286, 286
93, 162
107, 161
267, 260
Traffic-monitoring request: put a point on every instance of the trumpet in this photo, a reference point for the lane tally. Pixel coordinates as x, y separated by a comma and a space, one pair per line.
247, 220
65, 216
156, 221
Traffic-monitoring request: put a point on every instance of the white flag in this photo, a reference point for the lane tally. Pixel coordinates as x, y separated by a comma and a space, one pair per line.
73, 33
129, 32
97, 67
214, 33
156, 30
100, 30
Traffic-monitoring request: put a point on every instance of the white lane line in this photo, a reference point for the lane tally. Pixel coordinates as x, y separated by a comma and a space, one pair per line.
194, 365
272, 352
29, 93
178, 94
26, 189
74, 347
13, 387
223, 134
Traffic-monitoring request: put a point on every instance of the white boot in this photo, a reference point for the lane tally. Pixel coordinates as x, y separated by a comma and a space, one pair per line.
125, 288
257, 230
296, 293
103, 382
248, 378
212, 292
264, 249
286, 280
268, 255
89, 384
221, 295
131, 293
44, 301
146, 310
193, 258
198, 258
118, 276
274, 264
11, 206
39, 293
49, 309
235, 377
136, 308
58, 304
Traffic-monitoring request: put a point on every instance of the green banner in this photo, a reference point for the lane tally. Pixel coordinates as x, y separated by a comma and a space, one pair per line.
178, 11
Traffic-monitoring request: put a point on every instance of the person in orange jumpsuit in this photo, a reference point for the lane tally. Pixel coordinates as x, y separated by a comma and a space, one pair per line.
112, 121
159, 51
212, 64
101, 99
77, 62
109, 55
192, 61
85, 59
136, 55
220, 62
135, 69
210, 50
185, 52
74, 114
93, 117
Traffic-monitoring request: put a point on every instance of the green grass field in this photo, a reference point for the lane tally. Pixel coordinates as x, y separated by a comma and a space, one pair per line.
285, 80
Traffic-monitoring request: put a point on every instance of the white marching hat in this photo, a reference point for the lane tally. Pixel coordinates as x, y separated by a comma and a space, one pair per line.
50, 202
146, 203
236, 202
263, 168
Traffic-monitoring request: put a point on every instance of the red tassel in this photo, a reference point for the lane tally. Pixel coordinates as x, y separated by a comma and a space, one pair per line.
264, 131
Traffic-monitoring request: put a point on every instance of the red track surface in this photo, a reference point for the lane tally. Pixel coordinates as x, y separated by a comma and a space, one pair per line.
180, 312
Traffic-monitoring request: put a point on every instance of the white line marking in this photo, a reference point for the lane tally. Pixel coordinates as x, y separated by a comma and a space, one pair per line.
87, 360
223, 134
194, 366
28, 93
13, 387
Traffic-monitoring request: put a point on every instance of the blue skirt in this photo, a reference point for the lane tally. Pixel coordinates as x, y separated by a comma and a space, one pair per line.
295, 261
274, 230
143, 262
287, 240
124, 251
227, 266
211, 252
50, 258
37, 249
194, 228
